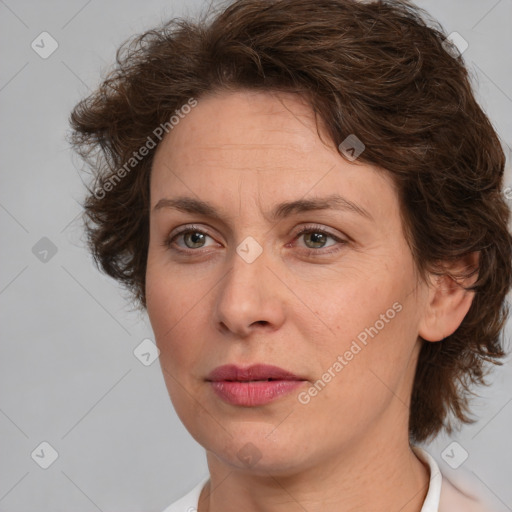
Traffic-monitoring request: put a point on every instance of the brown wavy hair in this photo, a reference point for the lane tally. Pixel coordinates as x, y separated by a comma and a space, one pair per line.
381, 70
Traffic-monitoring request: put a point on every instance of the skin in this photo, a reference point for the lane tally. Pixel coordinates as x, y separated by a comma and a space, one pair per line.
348, 448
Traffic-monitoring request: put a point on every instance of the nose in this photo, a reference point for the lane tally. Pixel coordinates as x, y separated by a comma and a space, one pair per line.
250, 297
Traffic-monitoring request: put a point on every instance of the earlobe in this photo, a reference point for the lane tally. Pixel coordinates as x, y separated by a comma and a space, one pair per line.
447, 301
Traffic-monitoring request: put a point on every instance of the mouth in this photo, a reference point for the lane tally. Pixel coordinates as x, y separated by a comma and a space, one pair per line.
254, 385
254, 373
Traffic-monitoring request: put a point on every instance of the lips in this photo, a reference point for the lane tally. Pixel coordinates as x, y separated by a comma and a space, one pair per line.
252, 386
257, 372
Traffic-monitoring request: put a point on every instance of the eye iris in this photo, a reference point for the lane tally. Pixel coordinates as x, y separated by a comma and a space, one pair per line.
316, 238
196, 237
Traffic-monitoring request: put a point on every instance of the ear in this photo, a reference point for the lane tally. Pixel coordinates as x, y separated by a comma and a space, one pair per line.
448, 303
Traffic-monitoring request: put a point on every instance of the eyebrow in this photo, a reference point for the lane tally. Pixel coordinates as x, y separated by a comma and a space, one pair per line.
281, 211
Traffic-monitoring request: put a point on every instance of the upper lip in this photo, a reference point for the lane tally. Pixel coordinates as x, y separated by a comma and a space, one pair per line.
232, 372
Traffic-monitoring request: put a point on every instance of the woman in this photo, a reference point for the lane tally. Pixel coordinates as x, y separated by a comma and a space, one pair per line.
307, 200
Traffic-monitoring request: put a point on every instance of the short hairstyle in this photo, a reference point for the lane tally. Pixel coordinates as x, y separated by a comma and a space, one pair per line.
380, 70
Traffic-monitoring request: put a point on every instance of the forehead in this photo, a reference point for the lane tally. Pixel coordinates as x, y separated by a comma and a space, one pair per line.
260, 145
222, 123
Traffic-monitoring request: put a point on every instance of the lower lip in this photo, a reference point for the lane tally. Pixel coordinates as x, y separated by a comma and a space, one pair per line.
255, 392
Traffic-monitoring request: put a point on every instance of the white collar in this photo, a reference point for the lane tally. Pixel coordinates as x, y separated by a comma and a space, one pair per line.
431, 503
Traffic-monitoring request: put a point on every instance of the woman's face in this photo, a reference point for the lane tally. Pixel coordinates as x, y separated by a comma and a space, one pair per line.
338, 305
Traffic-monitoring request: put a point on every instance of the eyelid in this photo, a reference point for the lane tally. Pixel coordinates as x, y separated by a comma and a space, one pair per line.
186, 228
315, 227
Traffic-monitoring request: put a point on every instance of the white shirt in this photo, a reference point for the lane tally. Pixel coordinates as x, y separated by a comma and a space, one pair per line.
442, 495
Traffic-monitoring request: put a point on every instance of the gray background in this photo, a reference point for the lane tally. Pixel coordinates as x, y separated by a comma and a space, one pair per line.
68, 373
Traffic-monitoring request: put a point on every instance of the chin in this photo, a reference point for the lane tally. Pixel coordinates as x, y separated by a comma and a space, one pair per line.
251, 448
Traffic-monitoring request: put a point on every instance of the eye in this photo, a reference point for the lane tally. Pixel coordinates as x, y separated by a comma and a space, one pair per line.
192, 237
316, 238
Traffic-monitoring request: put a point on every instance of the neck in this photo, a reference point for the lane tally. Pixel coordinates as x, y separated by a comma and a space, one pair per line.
374, 473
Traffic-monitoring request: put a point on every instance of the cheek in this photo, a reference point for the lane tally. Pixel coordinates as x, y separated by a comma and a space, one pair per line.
167, 293
174, 321
167, 315
176, 312
344, 308
166, 309
368, 323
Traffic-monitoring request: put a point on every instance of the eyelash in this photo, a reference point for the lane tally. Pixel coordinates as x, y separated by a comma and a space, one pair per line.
305, 229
